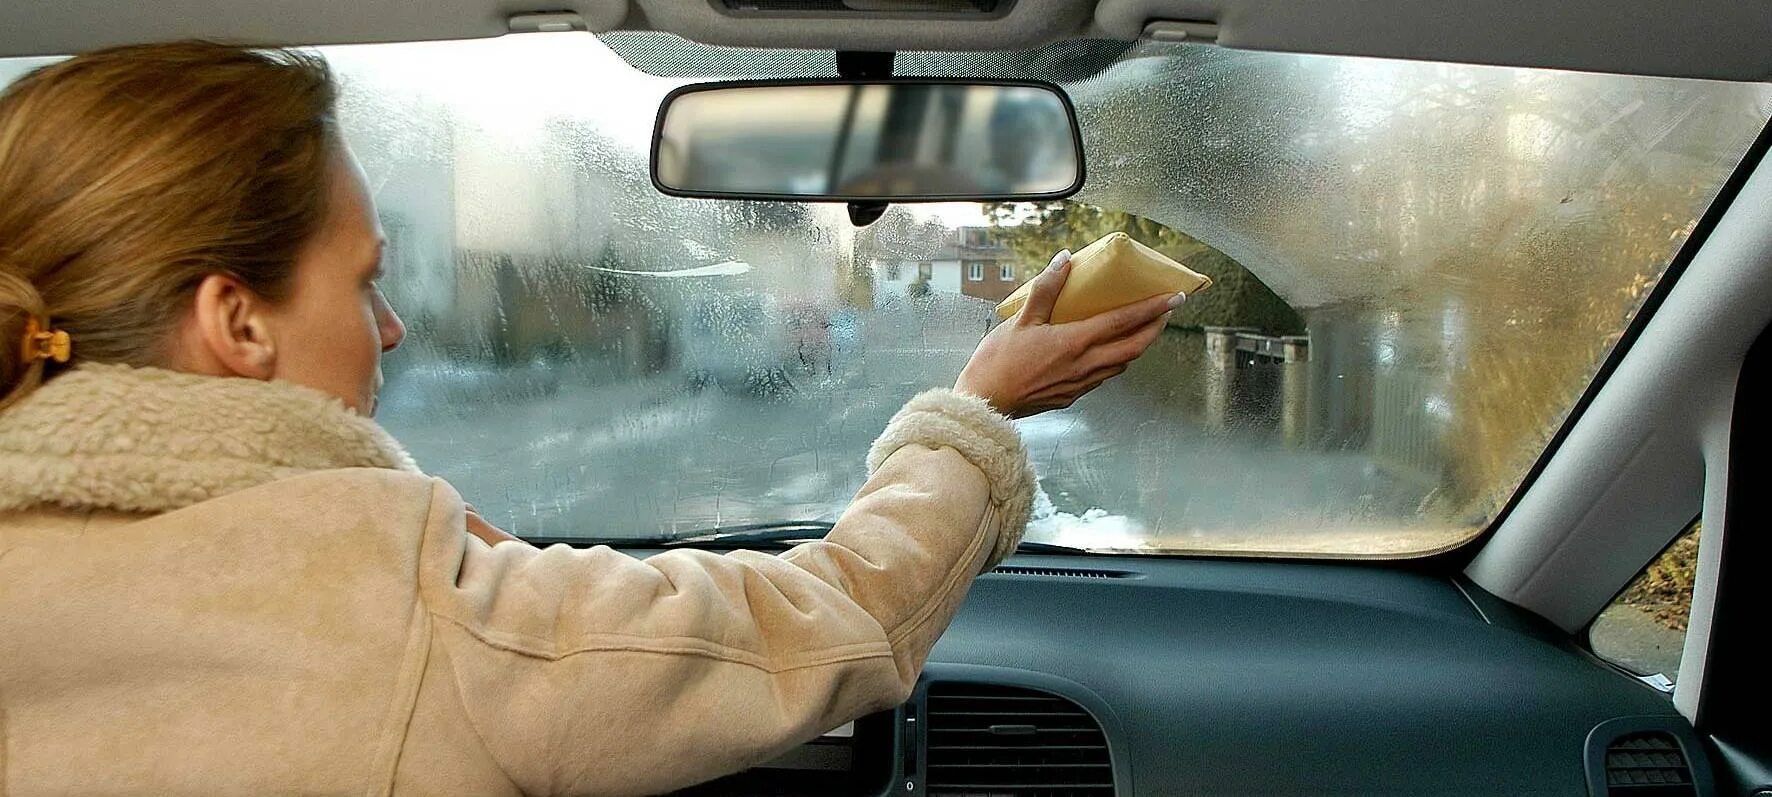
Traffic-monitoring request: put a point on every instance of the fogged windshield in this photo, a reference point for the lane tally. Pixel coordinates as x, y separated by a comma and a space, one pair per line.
1417, 267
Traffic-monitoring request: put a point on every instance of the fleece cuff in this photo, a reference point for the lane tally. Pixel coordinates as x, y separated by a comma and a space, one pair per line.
967, 424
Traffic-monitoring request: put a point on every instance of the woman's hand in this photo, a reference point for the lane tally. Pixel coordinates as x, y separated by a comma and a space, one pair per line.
1027, 365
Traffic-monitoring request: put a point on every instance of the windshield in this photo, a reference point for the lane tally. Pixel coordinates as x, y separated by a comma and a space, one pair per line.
1418, 268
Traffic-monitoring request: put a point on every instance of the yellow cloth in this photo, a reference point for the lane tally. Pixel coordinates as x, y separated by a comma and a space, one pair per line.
1112, 272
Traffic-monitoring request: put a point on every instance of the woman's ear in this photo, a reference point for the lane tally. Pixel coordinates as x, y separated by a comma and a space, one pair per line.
230, 330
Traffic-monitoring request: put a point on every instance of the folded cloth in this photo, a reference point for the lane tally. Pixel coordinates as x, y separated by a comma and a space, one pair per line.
1113, 271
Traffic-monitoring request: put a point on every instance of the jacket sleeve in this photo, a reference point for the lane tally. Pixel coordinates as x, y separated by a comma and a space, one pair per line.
594, 672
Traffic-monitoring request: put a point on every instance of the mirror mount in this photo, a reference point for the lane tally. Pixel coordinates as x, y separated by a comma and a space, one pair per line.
864, 64
861, 214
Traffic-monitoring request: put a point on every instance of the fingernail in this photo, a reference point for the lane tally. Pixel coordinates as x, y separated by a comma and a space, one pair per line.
1176, 300
1058, 260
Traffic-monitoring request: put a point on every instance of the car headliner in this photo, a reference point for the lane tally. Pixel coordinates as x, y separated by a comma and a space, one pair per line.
1720, 39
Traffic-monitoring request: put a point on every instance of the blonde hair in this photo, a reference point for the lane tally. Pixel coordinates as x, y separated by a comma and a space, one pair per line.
128, 175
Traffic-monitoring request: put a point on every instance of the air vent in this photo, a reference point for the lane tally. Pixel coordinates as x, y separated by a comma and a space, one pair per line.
1000, 741
1647, 765
1062, 572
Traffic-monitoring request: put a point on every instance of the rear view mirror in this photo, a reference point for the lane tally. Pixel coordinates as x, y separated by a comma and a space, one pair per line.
904, 140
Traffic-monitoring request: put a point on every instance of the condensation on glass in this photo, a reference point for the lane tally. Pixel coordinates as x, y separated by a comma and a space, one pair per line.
1463, 245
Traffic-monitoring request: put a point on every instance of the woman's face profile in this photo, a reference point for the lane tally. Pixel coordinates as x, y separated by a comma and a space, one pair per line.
335, 324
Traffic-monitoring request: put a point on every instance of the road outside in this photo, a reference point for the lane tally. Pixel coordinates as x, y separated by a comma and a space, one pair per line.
1633, 638
1645, 629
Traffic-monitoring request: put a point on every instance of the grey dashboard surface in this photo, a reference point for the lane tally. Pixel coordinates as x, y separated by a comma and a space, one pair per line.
1231, 677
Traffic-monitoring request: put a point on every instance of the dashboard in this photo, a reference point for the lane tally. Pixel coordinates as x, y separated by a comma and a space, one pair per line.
1158, 676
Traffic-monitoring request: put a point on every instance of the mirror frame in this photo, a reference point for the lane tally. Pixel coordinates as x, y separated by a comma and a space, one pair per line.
693, 88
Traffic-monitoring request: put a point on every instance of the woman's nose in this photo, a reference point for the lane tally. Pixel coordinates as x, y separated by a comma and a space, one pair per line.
393, 330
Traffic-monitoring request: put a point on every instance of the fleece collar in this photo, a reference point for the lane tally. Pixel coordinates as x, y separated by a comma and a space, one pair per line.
153, 440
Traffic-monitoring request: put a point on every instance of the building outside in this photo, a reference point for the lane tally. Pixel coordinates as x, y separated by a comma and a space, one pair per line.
987, 268
968, 262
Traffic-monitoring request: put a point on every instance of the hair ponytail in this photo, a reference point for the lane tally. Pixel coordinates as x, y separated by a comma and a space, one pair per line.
19, 302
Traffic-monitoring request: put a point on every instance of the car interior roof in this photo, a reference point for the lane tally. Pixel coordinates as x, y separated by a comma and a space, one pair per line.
1718, 39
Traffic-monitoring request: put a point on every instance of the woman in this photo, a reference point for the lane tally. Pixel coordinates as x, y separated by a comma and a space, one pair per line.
217, 575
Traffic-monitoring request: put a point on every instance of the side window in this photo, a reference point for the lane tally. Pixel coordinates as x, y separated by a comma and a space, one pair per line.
1644, 630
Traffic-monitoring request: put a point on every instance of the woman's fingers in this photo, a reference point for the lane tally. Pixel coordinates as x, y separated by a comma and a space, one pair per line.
1125, 349
1044, 293
1125, 319
1101, 363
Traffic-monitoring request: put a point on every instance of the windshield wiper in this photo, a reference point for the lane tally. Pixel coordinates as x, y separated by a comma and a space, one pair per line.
1027, 546
776, 535
783, 535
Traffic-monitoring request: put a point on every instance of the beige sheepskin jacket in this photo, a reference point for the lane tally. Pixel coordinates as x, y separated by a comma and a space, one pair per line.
224, 586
